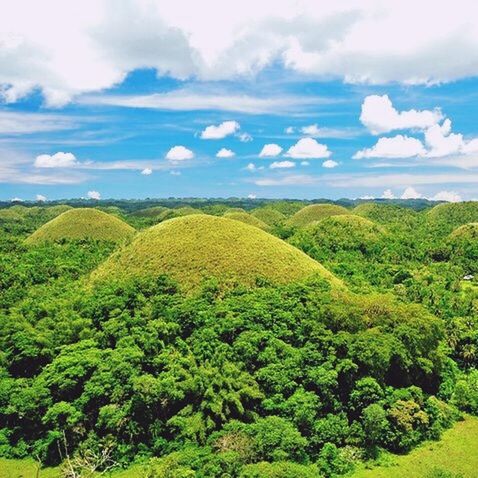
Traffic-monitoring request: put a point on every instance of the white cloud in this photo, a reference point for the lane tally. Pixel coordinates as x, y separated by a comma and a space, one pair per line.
220, 131
361, 41
305, 163
311, 130
245, 137
93, 195
179, 153
251, 167
57, 160
147, 171
282, 165
395, 147
251, 196
290, 130
388, 194
448, 196
270, 150
225, 153
175, 173
291, 180
410, 193
192, 100
16, 123
330, 163
379, 116
308, 148
40, 198
16, 199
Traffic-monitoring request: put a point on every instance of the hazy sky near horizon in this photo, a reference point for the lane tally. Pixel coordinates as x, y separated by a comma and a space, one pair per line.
290, 98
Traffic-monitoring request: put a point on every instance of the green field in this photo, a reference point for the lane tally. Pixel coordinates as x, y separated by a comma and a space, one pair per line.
456, 452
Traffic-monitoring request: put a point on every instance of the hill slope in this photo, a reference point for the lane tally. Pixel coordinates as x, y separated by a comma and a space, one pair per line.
197, 246
315, 212
247, 219
84, 223
452, 215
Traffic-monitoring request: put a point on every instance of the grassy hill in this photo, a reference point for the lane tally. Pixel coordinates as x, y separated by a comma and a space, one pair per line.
247, 219
315, 212
466, 232
270, 216
197, 246
345, 232
150, 211
385, 213
452, 215
83, 223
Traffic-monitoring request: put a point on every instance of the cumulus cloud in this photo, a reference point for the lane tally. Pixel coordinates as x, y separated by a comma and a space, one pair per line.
225, 153
179, 153
395, 147
93, 195
448, 196
251, 196
57, 160
282, 165
410, 193
340, 39
329, 164
270, 150
379, 116
388, 194
147, 171
289, 130
40, 198
308, 148
220, 131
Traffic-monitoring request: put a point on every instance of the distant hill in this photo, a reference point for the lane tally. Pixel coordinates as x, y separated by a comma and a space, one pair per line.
315, 212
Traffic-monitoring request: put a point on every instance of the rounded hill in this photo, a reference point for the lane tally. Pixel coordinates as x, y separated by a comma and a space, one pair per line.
80, 224
386, 213
247, 219
467, 232
153, 211
192, 248
316, 212
270, 216
345, 232
452, 215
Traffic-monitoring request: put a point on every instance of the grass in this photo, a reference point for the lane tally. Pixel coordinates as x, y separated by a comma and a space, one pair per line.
456, 452
315, 212
193, 247
385, 213
270, 216
466, 232
150, 211
454, 214
247, 219
83, 223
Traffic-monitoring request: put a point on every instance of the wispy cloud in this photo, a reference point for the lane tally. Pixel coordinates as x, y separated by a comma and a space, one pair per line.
189, 100
289, 180
18, 123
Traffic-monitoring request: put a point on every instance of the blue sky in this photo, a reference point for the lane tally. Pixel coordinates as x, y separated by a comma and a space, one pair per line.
139, 114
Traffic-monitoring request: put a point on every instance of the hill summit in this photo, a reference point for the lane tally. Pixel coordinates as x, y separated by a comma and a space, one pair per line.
82, 223
195, 247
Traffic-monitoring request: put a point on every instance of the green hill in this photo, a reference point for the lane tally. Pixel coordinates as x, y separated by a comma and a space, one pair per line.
346, 232
270, 216
247, 219
315, 212
452, 215
385, 213
150, 211
467, 232
198, 246
178, 212
82, 223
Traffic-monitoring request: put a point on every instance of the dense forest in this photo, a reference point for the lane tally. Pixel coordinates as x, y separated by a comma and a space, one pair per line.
234, 338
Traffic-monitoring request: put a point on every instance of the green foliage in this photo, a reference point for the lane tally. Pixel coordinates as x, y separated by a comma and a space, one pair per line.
247, 219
